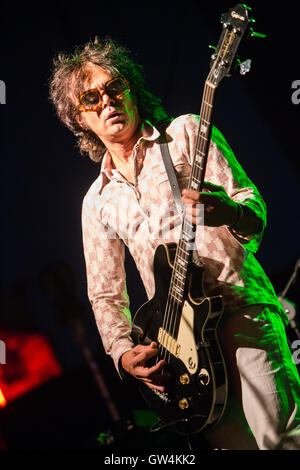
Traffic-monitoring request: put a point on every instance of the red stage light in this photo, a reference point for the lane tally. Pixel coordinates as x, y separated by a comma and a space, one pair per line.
30, 361
2, 399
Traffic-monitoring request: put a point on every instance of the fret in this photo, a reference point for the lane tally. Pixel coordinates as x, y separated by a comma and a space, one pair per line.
189, 243
183, 250
199, 152
180, 265
182, 270
195, 173
188, 224
202, 119
199, 162
211, 85
207, 104
181, 261
201, 147
179, 290
174, 295
198, 165
179, 277
194, 185
203, 129
188, 237
177, 297
195, 180
181, 281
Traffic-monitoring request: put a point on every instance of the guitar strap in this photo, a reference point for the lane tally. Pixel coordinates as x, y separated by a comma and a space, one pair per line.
165, 152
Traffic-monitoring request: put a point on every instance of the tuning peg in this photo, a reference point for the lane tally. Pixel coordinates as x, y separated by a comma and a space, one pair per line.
254, 34
214, 55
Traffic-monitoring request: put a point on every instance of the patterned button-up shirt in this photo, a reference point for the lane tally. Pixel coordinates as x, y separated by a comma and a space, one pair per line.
142, 215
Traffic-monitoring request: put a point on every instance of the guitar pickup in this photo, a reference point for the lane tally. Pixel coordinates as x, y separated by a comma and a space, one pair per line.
168, 342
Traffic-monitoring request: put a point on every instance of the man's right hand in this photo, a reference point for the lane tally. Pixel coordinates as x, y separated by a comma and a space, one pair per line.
134, 362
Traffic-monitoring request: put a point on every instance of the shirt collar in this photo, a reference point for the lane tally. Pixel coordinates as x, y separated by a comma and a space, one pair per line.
149, 132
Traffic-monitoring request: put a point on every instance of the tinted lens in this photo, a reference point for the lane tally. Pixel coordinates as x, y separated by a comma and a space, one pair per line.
90, 100
116, 88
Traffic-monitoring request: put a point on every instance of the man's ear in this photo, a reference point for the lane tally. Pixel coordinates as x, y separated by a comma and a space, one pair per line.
80, 118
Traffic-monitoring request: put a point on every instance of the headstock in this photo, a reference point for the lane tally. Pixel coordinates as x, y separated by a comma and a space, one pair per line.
235, 24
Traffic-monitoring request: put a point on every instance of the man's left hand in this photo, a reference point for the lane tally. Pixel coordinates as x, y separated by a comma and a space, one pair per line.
219, 208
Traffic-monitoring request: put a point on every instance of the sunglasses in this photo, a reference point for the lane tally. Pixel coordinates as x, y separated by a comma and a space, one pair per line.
115, 88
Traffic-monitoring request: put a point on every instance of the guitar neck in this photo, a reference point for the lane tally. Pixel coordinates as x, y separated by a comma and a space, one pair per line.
235, 23
186, 243
203, 138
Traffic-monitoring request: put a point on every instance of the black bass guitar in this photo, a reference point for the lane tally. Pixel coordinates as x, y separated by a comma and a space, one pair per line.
180, 317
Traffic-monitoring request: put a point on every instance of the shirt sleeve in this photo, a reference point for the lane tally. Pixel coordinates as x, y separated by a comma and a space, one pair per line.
106, 283
223, 169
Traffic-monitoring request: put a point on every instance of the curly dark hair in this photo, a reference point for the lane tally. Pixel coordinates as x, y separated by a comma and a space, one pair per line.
70, 71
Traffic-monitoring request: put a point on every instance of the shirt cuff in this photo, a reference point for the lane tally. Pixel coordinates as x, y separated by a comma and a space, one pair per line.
250, 242
118, 349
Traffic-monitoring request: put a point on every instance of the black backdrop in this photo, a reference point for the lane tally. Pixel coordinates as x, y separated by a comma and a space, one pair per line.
44, 178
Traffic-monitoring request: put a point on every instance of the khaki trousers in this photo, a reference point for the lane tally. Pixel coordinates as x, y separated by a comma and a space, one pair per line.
263, 410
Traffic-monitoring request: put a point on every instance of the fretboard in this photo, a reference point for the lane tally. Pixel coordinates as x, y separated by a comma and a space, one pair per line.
187, 239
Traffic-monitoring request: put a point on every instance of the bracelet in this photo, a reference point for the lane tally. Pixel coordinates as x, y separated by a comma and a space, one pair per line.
239, 216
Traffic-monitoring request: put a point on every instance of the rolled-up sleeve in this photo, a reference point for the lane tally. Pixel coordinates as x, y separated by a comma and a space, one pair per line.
106, 283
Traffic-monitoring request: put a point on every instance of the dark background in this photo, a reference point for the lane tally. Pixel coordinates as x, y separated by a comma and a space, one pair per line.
44, 180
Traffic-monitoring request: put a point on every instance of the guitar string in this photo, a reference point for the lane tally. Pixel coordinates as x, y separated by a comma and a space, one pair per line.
174, 305
201, 145
198, 174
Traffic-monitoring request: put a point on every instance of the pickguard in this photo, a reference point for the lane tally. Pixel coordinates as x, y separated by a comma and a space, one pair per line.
184, 347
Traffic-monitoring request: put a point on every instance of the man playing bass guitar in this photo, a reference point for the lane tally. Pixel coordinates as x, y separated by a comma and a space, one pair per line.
100, 94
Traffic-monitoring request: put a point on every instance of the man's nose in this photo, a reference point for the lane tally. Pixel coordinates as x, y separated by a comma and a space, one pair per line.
107, 100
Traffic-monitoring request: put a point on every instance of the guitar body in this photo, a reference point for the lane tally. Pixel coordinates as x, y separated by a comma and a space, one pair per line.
196, 393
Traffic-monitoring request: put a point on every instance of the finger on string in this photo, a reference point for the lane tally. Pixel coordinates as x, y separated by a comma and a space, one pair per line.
148, 371
156, 368
144, 356
191, 194
158, 379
